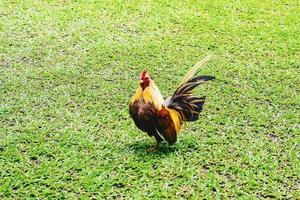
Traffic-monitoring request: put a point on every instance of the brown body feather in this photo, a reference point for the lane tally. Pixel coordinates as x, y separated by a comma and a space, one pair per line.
154, 122
144, 116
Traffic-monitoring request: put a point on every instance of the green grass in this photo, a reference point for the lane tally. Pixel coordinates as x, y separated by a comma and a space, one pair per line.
69, 68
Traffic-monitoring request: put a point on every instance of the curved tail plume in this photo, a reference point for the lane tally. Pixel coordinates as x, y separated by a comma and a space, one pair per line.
195, 69
183, 100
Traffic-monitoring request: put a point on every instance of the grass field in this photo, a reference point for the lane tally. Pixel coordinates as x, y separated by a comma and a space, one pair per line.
69, 68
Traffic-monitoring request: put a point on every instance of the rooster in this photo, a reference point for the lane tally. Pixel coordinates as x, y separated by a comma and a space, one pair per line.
161, 118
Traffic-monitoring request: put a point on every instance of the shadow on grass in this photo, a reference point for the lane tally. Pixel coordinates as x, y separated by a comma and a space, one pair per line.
146, 147
143, 148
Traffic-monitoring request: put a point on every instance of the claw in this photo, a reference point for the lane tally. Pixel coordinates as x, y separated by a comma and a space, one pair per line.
156, 147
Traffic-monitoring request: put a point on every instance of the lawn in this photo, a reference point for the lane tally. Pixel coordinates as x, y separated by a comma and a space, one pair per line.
69, 68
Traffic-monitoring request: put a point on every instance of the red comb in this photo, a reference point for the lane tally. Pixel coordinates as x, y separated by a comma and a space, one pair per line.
143, 74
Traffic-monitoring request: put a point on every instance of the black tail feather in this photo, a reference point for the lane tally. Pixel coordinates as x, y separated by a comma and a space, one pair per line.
201, 78
185, 102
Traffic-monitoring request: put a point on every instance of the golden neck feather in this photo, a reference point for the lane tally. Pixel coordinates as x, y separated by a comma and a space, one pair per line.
150, 94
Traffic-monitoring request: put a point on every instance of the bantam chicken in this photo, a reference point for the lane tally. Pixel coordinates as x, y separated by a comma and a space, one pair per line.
161, 118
